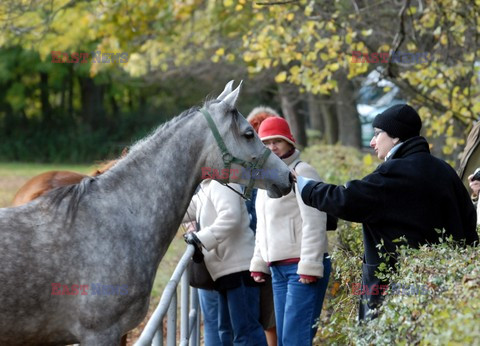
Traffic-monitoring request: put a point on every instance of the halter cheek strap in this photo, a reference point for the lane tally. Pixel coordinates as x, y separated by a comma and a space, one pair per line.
228, 158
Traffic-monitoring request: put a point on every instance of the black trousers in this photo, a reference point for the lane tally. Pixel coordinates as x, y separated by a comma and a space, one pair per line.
371, 297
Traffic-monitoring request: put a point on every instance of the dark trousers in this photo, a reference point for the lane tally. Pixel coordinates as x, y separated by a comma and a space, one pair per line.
372, 297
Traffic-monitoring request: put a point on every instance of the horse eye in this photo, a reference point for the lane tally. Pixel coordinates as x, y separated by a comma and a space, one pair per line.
249, 134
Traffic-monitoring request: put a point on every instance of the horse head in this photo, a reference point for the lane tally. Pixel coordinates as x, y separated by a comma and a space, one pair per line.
244, 158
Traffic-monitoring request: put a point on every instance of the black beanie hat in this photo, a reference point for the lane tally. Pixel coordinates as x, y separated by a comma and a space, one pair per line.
400, 121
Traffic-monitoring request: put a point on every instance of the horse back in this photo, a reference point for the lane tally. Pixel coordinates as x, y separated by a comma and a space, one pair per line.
42, 183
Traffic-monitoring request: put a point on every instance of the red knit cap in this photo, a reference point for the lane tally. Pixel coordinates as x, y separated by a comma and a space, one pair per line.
259, 114
275, 127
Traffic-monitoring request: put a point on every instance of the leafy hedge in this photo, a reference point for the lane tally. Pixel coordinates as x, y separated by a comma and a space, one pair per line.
437, 300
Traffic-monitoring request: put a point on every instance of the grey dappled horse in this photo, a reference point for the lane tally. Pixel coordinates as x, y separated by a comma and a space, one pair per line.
110, 232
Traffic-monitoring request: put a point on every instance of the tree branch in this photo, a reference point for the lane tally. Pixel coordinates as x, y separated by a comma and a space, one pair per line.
399, 37
276, 2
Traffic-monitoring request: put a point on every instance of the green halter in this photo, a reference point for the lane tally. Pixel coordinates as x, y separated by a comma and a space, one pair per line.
228, 158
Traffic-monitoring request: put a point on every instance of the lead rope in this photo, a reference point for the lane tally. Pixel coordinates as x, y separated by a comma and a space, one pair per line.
238, 193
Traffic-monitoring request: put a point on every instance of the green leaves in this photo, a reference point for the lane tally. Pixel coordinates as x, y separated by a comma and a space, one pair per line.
304, 43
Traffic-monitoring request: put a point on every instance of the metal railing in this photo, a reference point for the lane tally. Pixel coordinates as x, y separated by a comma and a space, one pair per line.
189, 311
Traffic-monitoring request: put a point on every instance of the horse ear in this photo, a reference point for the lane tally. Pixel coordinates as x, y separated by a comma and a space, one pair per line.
226, 91
231, 98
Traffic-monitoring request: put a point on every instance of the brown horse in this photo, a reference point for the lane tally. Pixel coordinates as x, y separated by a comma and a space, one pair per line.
44, 182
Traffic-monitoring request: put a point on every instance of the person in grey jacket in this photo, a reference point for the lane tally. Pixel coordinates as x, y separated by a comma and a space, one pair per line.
291, 244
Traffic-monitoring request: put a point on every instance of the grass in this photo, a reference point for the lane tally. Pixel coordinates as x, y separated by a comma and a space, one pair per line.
14, 175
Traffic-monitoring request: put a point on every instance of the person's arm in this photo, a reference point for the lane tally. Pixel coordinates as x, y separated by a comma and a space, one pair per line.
258, 267
314, 238
358, 201
229, 208
191, 211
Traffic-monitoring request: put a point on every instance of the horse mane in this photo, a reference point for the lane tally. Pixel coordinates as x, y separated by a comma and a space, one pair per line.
162, 128
77, 191
106, 165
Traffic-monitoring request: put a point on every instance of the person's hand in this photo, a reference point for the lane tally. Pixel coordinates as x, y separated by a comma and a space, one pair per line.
302, 182
191, 238
190, 226
306, 280
474, 185
258, 276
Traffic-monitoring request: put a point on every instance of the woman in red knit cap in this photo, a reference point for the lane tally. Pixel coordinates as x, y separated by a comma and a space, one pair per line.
267, 315
291, 245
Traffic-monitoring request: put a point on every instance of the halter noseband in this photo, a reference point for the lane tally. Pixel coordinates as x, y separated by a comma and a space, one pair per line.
228, 158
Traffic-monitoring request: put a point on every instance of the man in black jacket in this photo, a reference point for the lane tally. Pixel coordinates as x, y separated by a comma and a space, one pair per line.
412, 195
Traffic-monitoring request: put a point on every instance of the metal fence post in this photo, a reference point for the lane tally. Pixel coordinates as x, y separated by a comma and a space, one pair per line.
195, 315
172, 322
190, 316
184, 307
158, 337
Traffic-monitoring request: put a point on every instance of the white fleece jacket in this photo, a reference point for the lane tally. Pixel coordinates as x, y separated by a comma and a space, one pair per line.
225, 231
288, 228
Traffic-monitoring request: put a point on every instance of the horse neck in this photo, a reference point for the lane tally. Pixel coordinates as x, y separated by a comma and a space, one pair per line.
155, 182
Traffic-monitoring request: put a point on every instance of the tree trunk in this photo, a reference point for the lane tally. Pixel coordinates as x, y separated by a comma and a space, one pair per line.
70, 91
288, 100
315, 114
329, 115
44, 93
92, 102
348, 119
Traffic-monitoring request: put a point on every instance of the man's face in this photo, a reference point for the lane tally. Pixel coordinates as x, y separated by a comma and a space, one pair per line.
382, 143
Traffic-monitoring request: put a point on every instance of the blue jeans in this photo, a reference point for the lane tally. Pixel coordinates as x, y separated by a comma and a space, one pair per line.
209, 305
240, 308
297, 305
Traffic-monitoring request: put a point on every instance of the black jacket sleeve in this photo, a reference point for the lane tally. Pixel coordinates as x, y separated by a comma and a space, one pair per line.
357, 201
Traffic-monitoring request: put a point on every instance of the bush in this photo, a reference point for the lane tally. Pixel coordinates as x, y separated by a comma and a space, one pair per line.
445, 307
440, 300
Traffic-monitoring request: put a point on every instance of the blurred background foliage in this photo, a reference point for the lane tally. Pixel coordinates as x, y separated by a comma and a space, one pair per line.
294, 55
